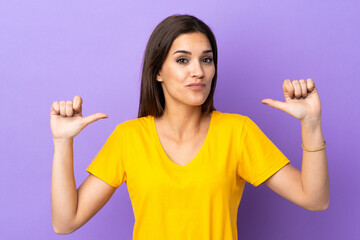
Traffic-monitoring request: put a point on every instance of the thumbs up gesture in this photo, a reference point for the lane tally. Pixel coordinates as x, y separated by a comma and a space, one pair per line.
66, 120
301, 100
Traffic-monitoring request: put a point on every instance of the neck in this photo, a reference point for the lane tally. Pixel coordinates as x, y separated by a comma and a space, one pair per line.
182, 123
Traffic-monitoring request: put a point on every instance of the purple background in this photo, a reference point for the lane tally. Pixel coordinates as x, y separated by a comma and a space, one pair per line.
51, 51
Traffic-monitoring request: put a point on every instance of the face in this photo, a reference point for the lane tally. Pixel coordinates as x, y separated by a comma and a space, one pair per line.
188, 70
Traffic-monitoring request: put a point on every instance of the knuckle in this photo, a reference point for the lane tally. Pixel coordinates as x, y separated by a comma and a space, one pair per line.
289, 85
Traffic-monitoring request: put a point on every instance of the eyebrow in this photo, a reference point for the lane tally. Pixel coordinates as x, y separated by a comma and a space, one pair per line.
187, 52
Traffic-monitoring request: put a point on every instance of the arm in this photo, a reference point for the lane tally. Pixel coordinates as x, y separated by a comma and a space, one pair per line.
309, 188
71, 208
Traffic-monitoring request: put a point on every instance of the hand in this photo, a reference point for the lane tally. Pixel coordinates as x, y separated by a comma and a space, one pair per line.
301, 100
66, 120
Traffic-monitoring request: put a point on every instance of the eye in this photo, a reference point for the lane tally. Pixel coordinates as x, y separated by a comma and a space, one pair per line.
207, 60
181, 60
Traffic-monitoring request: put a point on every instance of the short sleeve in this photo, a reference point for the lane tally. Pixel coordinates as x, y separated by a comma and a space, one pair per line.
259, 158
108, 164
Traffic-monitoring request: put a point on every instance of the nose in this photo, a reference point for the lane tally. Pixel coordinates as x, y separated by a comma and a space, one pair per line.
197, 70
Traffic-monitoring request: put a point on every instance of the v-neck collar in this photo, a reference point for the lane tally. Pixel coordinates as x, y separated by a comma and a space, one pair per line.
165, 156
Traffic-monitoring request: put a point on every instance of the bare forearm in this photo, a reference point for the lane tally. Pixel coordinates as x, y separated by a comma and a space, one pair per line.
314, 173
63, 186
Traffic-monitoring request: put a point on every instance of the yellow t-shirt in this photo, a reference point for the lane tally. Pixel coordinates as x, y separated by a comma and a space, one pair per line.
196, 201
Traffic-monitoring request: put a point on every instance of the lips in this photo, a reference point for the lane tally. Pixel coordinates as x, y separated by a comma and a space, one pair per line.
196, 85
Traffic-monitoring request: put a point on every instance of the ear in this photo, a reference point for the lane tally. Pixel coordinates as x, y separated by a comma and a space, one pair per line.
158, 77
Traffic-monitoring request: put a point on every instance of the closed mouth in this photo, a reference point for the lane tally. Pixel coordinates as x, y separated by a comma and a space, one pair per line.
196, 84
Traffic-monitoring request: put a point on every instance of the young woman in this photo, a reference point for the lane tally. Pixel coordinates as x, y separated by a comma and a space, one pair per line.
185, 164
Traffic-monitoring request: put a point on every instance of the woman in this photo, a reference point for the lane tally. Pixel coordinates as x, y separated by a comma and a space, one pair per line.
185, 164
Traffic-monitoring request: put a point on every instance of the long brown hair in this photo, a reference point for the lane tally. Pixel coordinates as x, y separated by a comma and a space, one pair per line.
152, 100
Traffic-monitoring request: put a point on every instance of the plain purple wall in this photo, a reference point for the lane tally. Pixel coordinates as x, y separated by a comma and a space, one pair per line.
53, 50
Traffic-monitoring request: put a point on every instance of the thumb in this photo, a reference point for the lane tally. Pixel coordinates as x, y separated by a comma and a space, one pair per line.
94, 117
274, 103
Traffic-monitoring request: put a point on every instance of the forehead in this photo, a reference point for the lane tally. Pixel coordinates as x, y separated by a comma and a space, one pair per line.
191, 41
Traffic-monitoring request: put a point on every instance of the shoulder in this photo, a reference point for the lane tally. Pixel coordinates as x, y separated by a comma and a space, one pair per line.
229, 124
135, 125
229, 119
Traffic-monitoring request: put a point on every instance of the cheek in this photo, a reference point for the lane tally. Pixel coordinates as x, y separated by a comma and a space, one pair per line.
212, 71
175, 74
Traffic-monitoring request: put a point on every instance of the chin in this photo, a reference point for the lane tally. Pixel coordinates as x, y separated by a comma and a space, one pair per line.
197, 103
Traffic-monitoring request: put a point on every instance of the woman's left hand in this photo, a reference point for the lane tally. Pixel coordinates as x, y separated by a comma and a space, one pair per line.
301, 100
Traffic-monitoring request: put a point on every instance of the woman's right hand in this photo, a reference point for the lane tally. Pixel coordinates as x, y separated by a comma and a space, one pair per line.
66, 120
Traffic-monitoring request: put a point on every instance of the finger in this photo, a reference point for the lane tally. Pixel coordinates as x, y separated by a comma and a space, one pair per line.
69, 108
77, 104
288, 89
62, 108
310, 85
303, 88
275, 104
297, 88
94, 117
55, 109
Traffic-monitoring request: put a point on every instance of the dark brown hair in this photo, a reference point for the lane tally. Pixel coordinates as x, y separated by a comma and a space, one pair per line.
152, 100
